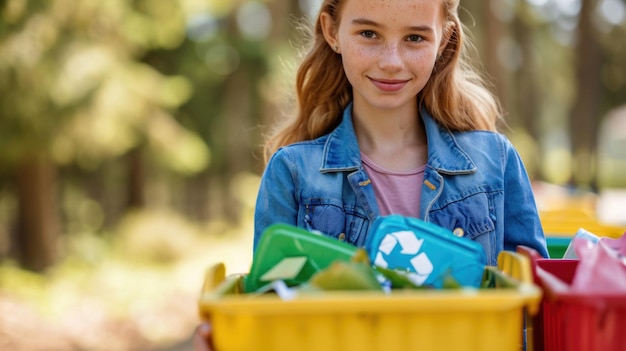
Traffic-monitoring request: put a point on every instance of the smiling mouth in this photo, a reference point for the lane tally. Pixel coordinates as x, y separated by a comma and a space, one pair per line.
389, 85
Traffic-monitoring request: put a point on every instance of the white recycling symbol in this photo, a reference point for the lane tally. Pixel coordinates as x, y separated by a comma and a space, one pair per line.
410, 245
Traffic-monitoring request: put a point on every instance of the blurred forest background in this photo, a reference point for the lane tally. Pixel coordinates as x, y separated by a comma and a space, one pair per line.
130, 135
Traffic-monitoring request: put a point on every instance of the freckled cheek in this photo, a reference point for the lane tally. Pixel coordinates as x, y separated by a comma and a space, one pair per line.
422, 62
354, 70
358, 59
360, 53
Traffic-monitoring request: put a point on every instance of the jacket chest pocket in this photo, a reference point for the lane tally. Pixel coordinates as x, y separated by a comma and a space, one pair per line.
472, 217
333, 219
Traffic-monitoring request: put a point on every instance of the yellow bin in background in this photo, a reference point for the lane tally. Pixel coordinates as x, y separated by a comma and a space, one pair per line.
565, 222
561, 224
436, 320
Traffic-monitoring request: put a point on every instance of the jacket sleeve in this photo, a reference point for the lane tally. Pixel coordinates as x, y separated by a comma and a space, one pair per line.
276, 199
522, 224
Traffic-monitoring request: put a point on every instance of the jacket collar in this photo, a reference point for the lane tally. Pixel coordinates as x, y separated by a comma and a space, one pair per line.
342, 153
444, 152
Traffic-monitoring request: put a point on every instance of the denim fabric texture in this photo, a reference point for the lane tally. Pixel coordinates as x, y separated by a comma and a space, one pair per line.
475, 185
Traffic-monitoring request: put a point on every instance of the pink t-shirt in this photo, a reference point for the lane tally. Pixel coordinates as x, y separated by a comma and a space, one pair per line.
396, 192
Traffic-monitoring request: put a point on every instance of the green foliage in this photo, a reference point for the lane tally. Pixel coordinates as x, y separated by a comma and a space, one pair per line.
341, 275
21, 282
155, 237
74, 88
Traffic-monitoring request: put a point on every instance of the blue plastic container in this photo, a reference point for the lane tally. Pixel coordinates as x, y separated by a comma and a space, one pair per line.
426, 251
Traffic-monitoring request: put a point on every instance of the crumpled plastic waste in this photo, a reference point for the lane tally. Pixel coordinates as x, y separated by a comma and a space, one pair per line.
602, 264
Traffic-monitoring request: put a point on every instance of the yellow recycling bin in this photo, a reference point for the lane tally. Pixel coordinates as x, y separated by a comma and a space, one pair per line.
438, 320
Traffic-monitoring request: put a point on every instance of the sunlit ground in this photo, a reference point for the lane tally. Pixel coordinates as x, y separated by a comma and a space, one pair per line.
136, 293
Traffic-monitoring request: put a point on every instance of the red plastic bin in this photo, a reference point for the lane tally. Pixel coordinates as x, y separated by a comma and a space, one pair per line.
572, 320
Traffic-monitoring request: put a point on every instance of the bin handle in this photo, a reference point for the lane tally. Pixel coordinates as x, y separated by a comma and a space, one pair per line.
515, 265
534, 256
213, 276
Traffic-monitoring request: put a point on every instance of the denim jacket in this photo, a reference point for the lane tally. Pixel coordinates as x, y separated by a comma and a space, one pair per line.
474, 184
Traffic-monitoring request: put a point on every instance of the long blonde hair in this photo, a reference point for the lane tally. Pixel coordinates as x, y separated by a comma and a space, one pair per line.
455, 95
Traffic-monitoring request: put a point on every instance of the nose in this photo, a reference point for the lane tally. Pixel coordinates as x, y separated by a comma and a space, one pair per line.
391, 58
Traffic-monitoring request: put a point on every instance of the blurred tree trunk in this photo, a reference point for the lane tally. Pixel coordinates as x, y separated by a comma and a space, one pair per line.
283, 15
237, 114
243, 110
38, 226
585, 116
136, 179
495, 34
526, 97
525, 102
286, 14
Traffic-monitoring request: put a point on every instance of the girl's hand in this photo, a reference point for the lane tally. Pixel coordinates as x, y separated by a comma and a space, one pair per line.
203, 337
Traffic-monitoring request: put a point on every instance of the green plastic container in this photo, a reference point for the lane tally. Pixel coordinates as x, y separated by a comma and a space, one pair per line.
557, 246
299, 252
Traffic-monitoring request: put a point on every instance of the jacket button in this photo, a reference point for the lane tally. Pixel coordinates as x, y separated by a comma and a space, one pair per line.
342, 237
459, 232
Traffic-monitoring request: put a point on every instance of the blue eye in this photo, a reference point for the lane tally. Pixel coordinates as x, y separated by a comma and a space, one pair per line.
415, 38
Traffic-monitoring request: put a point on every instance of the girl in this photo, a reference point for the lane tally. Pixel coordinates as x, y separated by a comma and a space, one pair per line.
393, 120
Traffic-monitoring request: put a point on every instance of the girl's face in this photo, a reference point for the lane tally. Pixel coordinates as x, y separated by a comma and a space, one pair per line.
388, 48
